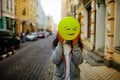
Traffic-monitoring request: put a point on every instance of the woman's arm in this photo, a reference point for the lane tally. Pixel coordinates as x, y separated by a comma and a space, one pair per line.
77, 55
57, 54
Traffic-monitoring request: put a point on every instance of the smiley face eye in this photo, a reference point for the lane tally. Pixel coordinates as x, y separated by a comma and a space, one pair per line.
68, 29
74, 29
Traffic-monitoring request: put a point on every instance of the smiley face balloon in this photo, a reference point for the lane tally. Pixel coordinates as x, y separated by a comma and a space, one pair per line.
68, 28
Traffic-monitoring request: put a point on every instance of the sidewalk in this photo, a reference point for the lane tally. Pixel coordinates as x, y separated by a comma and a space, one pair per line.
97, 72
89, 72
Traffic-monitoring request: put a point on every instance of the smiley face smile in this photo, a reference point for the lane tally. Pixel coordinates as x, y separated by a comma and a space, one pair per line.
70, 34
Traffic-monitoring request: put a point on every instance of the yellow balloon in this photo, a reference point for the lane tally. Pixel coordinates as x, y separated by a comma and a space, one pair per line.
69, 28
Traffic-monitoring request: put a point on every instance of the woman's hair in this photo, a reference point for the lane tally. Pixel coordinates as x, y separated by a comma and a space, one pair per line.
55, 42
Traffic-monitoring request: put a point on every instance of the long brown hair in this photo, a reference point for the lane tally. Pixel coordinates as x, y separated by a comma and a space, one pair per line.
55, 42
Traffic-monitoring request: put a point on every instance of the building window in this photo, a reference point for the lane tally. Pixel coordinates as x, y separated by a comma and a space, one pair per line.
23, 11
15, 9
9, 5
89, 21
23, 0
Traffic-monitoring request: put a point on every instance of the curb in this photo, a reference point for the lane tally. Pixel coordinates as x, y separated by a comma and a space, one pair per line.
4, 56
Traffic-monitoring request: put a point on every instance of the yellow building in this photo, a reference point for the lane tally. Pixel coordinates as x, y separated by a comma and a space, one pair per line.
32, 15
25, 11
99, 21
68, 8
64, 8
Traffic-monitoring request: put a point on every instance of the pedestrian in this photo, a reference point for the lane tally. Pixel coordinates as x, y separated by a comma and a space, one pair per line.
22, 37
27, 32
67, 56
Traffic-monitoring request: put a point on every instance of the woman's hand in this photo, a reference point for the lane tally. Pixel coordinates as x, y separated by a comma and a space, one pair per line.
76, 39
60, 38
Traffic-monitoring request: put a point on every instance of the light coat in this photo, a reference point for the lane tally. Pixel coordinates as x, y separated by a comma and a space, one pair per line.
75, 61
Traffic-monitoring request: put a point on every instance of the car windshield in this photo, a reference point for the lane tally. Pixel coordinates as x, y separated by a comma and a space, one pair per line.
32, 34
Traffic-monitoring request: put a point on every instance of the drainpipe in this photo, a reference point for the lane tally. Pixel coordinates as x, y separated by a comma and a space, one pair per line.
95, 31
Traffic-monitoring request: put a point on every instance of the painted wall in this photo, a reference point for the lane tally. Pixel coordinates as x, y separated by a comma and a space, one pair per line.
117, 23
85, 23
100, 26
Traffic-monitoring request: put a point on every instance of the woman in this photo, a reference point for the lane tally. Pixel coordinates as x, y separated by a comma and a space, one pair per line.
67, 56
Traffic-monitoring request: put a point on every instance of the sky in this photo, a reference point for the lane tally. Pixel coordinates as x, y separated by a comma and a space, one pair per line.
52, 8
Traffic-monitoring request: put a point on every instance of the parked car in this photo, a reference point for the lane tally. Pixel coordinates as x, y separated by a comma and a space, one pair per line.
15, 40
41, 34
31, 36
50, 33
46, 34
8, 42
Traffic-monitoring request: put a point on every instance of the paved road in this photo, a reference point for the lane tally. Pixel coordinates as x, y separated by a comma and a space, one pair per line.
30, 62
89, 72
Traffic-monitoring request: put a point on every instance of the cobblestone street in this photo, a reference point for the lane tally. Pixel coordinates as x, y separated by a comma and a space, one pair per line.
89, 72
42, 39
32, 62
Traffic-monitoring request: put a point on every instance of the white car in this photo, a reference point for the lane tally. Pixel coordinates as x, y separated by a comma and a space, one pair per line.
31, 36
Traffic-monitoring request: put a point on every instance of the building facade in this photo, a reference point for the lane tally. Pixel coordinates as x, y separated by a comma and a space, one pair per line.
68, 8
25, 13
7, 15
99, 24
21, 15
40, 17
49, 23
32, 14
18, 15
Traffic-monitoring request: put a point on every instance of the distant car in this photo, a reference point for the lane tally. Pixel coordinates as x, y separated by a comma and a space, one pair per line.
41, 34
46, 34
31, 36
50, 33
